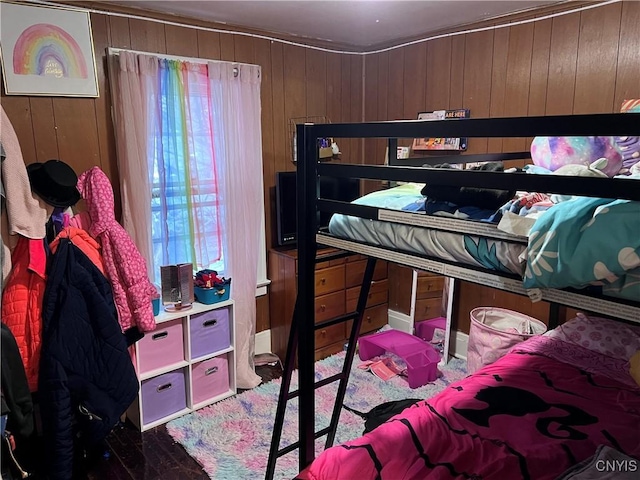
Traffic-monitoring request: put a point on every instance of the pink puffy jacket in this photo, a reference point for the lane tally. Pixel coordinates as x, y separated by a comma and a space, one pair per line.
123, 263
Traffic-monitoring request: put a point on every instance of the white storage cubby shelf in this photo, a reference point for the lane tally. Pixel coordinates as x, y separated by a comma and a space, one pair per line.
186, 363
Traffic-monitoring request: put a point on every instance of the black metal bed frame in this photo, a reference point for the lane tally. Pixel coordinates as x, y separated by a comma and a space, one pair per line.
309, 169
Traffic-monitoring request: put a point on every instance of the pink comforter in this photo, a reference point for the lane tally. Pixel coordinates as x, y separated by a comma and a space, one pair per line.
526, 416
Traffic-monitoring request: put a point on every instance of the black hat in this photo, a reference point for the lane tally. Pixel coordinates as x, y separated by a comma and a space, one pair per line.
55, 182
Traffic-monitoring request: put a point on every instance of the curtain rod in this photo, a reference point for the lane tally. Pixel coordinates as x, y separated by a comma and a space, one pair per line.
116, 51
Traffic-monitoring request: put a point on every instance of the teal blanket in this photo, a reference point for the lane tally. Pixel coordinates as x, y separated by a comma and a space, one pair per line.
587, 241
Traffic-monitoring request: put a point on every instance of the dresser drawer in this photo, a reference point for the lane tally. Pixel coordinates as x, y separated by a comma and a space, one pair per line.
428, 308
429, 286
378, 293
329, 335
355, 272
329, 280
329, 306
374, 318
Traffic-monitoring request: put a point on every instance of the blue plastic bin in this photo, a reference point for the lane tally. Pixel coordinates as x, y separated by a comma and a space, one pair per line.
209, 296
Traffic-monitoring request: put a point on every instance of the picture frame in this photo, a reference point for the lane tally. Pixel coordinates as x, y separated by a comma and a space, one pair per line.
47, 51
441, 144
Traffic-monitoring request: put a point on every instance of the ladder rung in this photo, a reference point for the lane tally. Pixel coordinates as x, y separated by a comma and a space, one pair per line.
293, 446
318, 384
336, 320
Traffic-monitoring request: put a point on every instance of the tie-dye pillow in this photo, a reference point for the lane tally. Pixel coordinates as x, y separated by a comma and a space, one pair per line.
607, 337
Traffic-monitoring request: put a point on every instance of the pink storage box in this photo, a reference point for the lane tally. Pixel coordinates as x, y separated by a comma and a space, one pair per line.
163, 395
421, 358
210, 378
209, 332
162, 347
426, 328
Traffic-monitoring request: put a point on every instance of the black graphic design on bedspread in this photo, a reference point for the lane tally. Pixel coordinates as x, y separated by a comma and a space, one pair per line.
518, 403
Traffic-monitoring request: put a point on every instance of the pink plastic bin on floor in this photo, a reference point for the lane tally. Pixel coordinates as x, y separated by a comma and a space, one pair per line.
426, 328
421, 358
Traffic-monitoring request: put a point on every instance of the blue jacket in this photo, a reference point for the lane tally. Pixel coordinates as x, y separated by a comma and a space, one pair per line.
86, 379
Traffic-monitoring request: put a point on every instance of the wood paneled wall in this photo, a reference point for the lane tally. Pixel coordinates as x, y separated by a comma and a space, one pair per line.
585, 62
579, 63
296, 82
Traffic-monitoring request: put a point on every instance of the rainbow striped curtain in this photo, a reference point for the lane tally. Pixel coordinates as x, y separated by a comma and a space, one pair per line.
186, 204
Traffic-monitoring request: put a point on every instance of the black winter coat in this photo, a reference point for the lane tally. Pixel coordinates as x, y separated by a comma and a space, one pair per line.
86, 377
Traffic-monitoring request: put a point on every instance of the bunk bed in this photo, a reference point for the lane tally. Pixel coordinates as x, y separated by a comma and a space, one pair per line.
309, 169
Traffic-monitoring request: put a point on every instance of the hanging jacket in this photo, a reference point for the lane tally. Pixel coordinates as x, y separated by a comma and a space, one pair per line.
81, 239
125, 267
22, 303
85, 370
15, 391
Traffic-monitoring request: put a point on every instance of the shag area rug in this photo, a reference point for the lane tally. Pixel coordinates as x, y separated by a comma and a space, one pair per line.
231, 438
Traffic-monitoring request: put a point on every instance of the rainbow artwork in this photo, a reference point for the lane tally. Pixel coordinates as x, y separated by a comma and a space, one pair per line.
48, 50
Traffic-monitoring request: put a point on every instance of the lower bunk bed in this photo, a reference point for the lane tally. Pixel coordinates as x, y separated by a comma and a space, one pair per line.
536, 413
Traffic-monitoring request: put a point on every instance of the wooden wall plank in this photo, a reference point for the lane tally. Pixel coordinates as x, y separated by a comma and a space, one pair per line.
395, 105
357, 102
456, 91
77, 132
628, 69
244, 49
181, 41
498, 81
565, 32
438, 74
316, 75
597, 62
518, 74
371, 151
415, 78
295, 106
382, 92
227, 47
102, 37
209, 45
281, 138
477, 81
44, 128
147, 36
334, 87
539, 69
119, 35
346, 145
18, 110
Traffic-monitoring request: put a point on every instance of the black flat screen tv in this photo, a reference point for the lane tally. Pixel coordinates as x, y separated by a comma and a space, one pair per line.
343, 189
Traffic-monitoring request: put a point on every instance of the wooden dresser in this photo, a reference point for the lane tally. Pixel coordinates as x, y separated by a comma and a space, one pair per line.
429, 301
337, 285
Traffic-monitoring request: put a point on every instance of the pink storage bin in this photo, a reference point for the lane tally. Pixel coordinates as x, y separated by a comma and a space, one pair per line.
163, 395
421, 358
209, 332
210, 378
162, 347
426, 328
494, 331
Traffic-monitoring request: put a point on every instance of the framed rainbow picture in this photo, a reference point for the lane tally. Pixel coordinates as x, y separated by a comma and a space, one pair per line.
47, 51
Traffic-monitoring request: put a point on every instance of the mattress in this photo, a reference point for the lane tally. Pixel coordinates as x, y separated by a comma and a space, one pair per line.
471, 250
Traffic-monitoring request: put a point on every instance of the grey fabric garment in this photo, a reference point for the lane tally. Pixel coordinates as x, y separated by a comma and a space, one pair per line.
606, 464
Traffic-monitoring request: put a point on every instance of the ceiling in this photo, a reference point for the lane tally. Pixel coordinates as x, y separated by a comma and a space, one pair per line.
358, 23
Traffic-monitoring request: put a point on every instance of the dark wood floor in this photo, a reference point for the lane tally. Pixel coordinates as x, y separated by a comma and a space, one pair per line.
152, 455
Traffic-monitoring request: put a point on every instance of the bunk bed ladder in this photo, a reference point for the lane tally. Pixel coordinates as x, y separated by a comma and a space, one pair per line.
343, 377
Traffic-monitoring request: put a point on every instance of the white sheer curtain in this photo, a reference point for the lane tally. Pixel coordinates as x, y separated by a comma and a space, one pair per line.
134, 79
235, 106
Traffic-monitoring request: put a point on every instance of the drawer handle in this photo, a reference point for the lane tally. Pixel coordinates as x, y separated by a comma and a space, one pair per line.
159, 335
209, 323
323, 333
429, 287
323, 308
323, 281
210, 370
162, 388
369, 319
